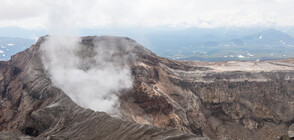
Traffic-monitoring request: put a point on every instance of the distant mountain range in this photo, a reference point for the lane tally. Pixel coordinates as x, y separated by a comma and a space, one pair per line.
265, 45
10, 46
267, 37
218, 44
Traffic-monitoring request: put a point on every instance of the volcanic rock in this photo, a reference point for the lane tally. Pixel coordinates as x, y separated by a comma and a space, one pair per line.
169, 99
31, 107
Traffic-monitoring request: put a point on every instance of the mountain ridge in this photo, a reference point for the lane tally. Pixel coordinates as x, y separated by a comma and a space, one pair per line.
265, 45
210, 99
33, 108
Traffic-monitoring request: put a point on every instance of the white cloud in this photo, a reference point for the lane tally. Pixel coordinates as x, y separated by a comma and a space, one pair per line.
87, 13
92, 81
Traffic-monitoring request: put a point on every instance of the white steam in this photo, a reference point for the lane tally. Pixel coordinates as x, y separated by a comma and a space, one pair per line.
90, 76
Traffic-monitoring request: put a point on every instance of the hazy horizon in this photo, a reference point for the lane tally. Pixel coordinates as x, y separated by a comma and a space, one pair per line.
49, 14
209, 30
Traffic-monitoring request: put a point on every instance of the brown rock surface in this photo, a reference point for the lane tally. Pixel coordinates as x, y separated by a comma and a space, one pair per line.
238, 100
33, 108
235, 100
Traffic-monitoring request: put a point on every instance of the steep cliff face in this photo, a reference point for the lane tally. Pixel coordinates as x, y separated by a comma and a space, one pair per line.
230, 100
236, 100
33, 108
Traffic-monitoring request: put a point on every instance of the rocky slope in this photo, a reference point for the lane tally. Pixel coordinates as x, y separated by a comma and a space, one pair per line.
33, 108
235, 100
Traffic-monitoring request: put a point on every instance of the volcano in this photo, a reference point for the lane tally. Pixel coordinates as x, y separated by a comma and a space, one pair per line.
168, 99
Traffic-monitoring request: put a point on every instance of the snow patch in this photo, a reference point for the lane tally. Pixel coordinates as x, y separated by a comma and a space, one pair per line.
249, 54
241, 56
1, 51
260, 37
10, 44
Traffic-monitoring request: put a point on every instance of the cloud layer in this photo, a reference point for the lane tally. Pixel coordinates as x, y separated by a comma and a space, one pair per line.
92, 13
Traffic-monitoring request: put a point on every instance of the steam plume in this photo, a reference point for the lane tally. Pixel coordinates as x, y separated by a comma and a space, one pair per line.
90, 77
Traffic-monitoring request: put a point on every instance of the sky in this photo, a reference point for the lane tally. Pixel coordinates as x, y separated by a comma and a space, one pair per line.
55, 14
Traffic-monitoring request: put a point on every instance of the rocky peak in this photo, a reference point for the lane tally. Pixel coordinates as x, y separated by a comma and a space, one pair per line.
168, 99
32, 107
